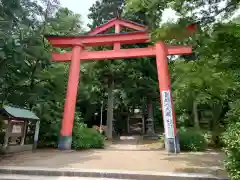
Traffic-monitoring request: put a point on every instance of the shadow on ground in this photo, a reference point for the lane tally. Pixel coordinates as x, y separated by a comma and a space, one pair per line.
200, 162
47, 158
159, 161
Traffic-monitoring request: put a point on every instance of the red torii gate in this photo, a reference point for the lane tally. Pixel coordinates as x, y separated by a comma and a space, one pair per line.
96, 38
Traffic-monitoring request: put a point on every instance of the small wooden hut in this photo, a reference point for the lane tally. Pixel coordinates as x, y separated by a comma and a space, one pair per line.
15, 125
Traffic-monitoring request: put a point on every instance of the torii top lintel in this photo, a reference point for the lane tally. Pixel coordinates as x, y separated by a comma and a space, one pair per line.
96, 38
118, 22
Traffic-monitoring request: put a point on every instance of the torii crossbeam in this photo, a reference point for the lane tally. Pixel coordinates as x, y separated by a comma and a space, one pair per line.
97, 38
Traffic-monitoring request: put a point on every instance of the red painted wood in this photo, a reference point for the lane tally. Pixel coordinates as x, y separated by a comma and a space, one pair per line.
101, 29
70, 103
120, 54
178, 50
192, 27
164, 81
108, 54
117, 45
100, 40
112, 22
61, 57
133, 26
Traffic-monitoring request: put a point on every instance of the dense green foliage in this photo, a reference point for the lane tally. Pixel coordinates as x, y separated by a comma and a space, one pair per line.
27, 77
231, 138
192, 140
85, 138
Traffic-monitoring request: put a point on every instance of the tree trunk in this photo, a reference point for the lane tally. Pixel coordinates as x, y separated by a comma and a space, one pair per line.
110, 108
195, 114
91, 108
217, 110
2, 63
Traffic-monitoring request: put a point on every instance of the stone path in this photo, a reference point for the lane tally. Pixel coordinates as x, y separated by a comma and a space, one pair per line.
26, 177
125, 143
134, 143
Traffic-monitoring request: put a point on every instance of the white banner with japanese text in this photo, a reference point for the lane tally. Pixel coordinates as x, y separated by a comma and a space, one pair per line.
167, 114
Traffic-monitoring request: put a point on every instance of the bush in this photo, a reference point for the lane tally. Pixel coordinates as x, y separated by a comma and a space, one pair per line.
213, 138
192, 140
216, 141
161, 139
231, 139
85, 138
208, 137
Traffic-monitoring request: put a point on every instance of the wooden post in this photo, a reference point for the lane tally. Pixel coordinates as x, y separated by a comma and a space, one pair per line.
110, 109
6, 137
143, 124
128, 126
117, 46
24, 132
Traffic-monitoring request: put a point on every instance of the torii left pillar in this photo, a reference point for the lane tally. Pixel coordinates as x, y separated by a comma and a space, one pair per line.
65, 139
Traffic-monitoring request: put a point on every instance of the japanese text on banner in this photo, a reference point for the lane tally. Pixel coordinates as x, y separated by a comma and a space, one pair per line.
167, 114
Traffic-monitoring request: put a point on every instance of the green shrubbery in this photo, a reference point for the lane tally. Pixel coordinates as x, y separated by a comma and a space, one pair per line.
231, 139
85, 138
192, 140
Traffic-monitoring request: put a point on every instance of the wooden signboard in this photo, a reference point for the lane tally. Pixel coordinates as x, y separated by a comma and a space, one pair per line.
17, 128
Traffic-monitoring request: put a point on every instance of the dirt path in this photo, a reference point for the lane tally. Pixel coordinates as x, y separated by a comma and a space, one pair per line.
208, 162
134, 143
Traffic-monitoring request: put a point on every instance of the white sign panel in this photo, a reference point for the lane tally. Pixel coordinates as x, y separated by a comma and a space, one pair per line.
17, 129
167, 114
36, 131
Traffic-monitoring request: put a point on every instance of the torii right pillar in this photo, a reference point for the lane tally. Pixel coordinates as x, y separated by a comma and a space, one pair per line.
169, 118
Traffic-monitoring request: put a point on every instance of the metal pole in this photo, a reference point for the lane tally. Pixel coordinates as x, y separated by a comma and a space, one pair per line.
101, 115
175, 145
36, 135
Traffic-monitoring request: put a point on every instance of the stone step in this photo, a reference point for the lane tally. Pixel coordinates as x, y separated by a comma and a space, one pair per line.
71, 173
28, 177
